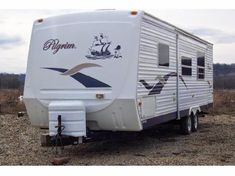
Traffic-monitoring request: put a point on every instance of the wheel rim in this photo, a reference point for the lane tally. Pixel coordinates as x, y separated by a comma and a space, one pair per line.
195, 121
189, 124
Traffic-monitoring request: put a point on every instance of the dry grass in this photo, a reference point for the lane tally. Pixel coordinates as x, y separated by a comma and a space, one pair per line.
9, 101
224, 102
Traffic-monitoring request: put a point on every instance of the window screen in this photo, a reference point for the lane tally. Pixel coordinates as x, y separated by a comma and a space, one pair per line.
186, 64
200, 65
163, 54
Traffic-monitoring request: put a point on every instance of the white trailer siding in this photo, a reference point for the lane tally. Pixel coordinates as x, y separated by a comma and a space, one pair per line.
193, 92
196, 92
209, 72
152, 33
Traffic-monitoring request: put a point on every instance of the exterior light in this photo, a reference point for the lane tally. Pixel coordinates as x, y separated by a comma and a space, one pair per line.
100, 96
40, 20
134, 12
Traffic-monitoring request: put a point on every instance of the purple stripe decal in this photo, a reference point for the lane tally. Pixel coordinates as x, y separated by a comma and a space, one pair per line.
85, 80
157, 88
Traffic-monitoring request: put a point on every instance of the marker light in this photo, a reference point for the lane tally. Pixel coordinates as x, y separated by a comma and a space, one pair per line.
134, 12
40, 20
100, 96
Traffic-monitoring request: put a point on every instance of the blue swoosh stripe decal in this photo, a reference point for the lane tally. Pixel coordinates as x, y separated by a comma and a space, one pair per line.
85, 80
157, 87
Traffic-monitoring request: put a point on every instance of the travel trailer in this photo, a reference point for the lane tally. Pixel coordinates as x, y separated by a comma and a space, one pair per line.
111, 70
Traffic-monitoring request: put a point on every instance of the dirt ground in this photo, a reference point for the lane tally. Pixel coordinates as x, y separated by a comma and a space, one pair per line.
213, 144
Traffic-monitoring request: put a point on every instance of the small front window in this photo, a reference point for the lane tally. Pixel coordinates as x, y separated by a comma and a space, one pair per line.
163, 55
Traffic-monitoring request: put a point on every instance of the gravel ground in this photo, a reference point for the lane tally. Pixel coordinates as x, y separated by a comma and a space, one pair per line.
213, 144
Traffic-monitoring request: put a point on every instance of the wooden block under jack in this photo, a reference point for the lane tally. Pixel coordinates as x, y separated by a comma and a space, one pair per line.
45, 140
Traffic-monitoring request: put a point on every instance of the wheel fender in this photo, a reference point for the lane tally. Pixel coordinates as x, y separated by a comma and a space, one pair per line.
194, 110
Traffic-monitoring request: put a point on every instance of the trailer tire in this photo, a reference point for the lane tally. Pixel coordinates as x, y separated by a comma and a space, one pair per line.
186, 125
194, 118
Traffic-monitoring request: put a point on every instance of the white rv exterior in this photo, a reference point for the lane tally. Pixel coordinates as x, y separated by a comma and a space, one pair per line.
116, 70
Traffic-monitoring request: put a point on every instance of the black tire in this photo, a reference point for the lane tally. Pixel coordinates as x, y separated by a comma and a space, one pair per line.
195, 123
186, 125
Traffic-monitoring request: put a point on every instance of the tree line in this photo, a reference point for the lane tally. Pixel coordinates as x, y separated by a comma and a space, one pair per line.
224, 76
12, 81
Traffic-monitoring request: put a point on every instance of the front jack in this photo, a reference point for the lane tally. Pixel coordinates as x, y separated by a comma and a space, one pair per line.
58, 137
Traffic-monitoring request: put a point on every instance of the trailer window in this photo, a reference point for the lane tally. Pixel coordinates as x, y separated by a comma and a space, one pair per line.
186, 64
200, 65
163, 55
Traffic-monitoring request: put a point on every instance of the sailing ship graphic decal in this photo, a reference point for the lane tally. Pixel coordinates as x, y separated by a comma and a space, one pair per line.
100, 49
157, 87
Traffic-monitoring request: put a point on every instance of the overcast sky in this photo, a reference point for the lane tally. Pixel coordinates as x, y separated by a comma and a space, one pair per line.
216, 26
